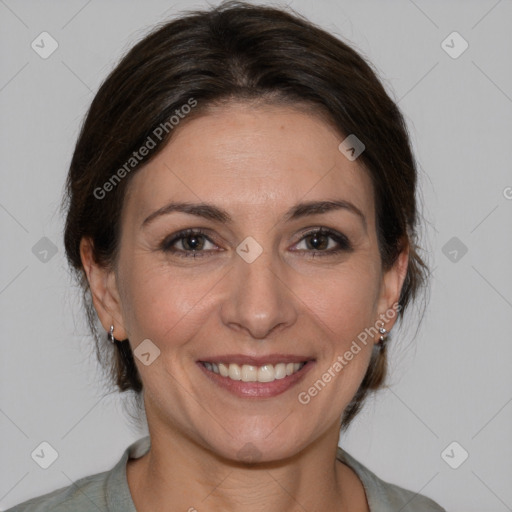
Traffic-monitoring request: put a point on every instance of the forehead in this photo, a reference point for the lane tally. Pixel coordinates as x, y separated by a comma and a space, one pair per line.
250, 160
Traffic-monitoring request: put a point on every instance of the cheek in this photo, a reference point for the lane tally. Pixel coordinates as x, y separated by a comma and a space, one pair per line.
345, 305
345, 301
344, 308
158, 303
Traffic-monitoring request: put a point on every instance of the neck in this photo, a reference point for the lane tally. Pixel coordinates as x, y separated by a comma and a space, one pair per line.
177, 471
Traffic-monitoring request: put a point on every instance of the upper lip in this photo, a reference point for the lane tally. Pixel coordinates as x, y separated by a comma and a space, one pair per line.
242, 359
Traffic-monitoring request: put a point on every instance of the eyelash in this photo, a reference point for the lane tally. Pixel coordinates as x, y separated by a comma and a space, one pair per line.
342, 240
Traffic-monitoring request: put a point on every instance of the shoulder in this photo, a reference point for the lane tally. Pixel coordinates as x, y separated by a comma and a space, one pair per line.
386, 497
88, 493
102, 492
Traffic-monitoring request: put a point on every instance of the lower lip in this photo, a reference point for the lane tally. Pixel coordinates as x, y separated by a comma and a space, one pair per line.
258, 389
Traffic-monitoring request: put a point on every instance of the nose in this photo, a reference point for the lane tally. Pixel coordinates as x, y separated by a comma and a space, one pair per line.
259, 300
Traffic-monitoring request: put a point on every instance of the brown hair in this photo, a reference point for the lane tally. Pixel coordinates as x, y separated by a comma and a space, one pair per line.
242, 52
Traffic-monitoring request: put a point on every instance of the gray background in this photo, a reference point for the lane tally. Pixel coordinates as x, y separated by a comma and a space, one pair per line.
451, 383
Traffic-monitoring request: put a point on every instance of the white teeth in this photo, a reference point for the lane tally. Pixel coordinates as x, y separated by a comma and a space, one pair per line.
280, 371
249, 373
266, 373
223, 369
234, 372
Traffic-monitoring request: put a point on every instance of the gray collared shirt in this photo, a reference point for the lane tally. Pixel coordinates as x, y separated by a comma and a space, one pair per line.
109, 491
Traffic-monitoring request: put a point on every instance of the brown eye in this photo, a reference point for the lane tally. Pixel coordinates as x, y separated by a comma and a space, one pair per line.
325, 241
192, 242
187, 243
317, 241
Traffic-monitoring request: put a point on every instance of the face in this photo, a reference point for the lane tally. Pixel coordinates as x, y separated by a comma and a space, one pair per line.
263, 276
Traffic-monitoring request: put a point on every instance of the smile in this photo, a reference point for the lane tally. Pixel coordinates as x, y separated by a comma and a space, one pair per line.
249, 373
252, 377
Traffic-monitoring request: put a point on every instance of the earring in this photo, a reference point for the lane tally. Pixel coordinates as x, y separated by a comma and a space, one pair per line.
383, 333
111, 335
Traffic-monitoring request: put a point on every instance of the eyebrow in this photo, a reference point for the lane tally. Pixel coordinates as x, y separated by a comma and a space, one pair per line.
212, 212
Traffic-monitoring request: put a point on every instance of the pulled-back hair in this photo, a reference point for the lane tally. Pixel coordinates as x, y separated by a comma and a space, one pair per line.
236, 52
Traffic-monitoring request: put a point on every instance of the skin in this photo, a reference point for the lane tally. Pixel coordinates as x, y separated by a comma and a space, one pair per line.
255, 162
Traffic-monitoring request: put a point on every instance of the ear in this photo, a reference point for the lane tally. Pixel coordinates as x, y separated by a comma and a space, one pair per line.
391, 287
105, 295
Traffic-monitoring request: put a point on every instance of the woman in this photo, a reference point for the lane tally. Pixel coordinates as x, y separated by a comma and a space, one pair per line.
241, 216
